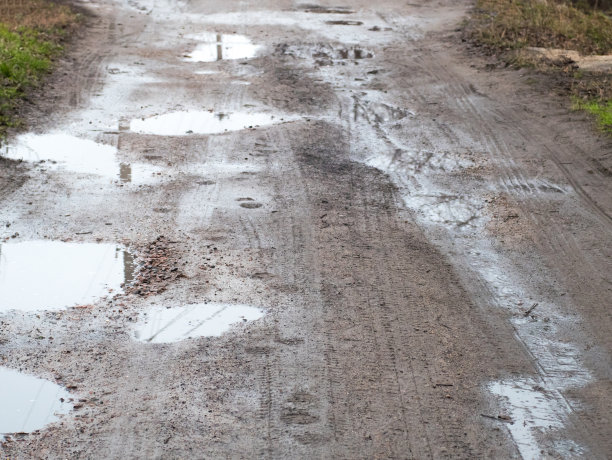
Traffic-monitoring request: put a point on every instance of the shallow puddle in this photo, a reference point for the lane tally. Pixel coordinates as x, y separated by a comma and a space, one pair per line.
28, 403
534, 411
200, 122
50, 275
72, 153
63, 151
217, 47
166, 325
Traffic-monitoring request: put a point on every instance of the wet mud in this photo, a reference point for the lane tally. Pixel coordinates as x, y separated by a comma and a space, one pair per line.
279, 231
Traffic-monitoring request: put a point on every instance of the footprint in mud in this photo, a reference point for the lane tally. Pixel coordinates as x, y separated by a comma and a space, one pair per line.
325, 9
251, 205
344, 23
300, 409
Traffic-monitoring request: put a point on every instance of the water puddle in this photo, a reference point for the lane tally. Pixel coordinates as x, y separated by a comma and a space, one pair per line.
166, 325
62, 150
84, 156
196, 122
50, 275
28, 403
535, 412
332, 25
217, 47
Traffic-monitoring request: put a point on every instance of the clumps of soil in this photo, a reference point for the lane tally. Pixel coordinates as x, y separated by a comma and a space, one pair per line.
506, 221
158, 267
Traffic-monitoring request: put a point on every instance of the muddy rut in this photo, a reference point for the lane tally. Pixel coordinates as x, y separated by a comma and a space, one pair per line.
284, 230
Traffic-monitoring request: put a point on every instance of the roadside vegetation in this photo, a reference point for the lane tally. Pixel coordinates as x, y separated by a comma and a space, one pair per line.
509, 28
31, 35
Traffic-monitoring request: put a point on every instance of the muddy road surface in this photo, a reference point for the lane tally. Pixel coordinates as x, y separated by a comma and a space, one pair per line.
282, 230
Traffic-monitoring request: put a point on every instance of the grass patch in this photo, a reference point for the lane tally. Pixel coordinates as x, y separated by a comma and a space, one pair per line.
602, 111
30, 37
514, 24
504, 28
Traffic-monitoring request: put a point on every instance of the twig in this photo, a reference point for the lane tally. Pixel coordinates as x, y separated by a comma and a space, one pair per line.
528, 312
499, 418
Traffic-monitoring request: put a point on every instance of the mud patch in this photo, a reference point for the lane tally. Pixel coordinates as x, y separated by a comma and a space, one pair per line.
167, 325
196, 122
325, 9
344, 23
158, 266
50, 275
325, 54
28, 403
217, 47
250, 205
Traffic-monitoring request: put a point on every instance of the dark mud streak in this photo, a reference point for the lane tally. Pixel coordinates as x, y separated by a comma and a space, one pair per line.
387, 343
291, 89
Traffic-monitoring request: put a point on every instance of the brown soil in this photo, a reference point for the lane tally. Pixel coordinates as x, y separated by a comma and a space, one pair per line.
410, 216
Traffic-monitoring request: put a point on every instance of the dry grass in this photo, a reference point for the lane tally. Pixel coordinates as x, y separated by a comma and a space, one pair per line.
505, 27
41, 15
512, 24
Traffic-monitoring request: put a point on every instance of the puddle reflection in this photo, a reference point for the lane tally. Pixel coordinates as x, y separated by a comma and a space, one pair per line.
50, 275
63, 151
166, 325
28, 403
199, 122
216, 47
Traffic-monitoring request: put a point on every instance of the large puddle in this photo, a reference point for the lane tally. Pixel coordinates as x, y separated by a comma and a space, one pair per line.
50, 275
201, 122
84, 156
28, 403
166, 325
216, 47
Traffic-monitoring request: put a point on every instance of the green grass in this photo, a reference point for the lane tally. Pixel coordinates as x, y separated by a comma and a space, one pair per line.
29, 41
601, 110
24, 57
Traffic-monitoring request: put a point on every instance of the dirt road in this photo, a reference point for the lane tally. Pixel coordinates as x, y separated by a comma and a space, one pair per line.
412, 254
